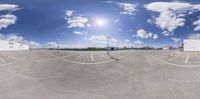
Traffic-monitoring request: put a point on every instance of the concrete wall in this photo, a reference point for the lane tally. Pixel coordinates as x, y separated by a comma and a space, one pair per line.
12, 46
191, 45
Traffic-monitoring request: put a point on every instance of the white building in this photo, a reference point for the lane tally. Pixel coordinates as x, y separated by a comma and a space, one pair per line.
166, 48
12, 46
191, 45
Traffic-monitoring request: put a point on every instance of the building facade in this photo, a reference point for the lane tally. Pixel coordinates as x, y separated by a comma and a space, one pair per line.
191, 45
166, 48
12, 46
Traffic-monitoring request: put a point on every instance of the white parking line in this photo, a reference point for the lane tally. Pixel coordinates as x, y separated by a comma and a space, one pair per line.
176, 65
186, 60
164, 56
69, 55
92, 57
3, 60
175, 57
160, 54
78, 57
103, 55
196, 55
91, 63
12, 57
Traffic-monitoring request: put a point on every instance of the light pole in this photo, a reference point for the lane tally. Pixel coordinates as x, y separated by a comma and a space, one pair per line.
129, 45
179, 43
58, 44
108, 37
176, 44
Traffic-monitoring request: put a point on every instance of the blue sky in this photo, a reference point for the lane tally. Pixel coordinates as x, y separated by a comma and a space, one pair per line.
78, 23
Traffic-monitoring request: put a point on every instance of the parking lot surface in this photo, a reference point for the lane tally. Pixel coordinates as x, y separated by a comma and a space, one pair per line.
128, 74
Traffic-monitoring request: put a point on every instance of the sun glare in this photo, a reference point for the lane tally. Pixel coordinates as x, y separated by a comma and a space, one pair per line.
101, 22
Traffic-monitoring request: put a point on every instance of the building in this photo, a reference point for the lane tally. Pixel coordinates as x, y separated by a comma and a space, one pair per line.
111, 48
166, 48
191, 45
12, 46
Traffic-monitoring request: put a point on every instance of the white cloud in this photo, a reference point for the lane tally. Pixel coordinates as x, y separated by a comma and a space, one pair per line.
98, 38
194, 36
16, 38
13, 37
169, 21
145, 35
127, 41
150, 21
116, 20
79, 33
102, 39
69, 13
61, 45
171, 14
176, 40
128, 8
78, 21
6, 20
19, 39
197, 24
155, 36
33, 44
114, 40
167, 33
51, 45
9, 7
174, 6
139, 42
88, 25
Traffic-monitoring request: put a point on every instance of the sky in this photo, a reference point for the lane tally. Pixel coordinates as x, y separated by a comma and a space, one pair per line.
90, 23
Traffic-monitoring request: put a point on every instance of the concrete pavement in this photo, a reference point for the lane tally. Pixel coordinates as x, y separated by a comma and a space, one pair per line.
94, 75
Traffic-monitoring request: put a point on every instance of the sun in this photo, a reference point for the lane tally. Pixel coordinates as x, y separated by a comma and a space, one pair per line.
101, 22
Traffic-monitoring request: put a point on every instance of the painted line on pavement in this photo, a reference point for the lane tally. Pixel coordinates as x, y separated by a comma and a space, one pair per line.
12, 57
175, 57
66, 56
3, 65
3, 60
186, 60
78, 57
92, 57
176, 65
104, 56
76, 62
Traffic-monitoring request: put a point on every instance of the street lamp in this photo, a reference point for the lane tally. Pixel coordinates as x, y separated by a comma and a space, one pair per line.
58, 44
108, 37
176, 44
